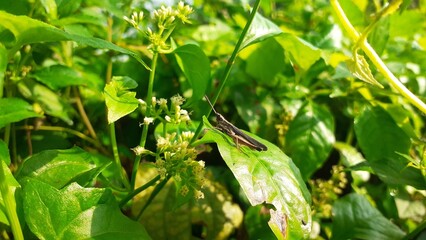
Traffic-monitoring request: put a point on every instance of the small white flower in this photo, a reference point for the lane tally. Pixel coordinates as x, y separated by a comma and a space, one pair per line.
148, 120
168, 118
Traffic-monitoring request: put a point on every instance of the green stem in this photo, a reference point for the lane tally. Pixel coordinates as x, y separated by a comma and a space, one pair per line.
147, 114
229, 65
10, 205
117, 156
375, 59
154, 193
138, 190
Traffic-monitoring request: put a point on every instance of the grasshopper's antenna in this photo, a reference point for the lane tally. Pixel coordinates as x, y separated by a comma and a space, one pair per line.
205, 96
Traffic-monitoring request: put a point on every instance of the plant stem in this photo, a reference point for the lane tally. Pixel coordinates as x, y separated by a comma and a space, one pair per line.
117, 156
83, 114
154, 193
10, 204
375, 59
229, 65
147, 114
138, 190
62, 129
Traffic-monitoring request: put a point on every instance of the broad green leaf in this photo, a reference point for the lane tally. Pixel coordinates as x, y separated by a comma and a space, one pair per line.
14, 110
28, 30
269, 177
8, 186
76, 213
3, 65
196, 67
302, 53
406, 24
59, 76
310, 138
355, 218
119, 100
260, 29
58, 167
383, 143
359, 68
266, 61
51, 103
216, 211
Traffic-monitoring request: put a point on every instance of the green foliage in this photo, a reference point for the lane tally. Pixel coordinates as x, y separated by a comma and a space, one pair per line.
95, 143
356, 218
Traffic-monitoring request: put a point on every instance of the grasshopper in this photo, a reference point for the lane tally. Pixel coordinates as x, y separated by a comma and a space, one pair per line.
236, 134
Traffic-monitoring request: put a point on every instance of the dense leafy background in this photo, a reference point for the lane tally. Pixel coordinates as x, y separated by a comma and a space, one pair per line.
346, 152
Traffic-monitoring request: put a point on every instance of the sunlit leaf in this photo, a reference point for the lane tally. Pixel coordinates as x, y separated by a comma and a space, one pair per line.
355, 218
58, 167
119, 100
76, 213
14, 110
310, 138
303, 54
359, 68
260, 29
269, 177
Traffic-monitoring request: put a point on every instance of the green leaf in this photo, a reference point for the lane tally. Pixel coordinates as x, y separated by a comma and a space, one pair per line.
51, 103
28, 30
266, 61
58, 167
269, 177
383, 143
310, 138
14, 110
302, 53
76, 213
118, 99
359, 68
196, 67
406, 24
260, 29
59, 76
215, 213
355, 218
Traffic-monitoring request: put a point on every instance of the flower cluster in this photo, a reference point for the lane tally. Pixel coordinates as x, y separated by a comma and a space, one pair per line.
176, 158
174, 155
325, 192
165, 18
